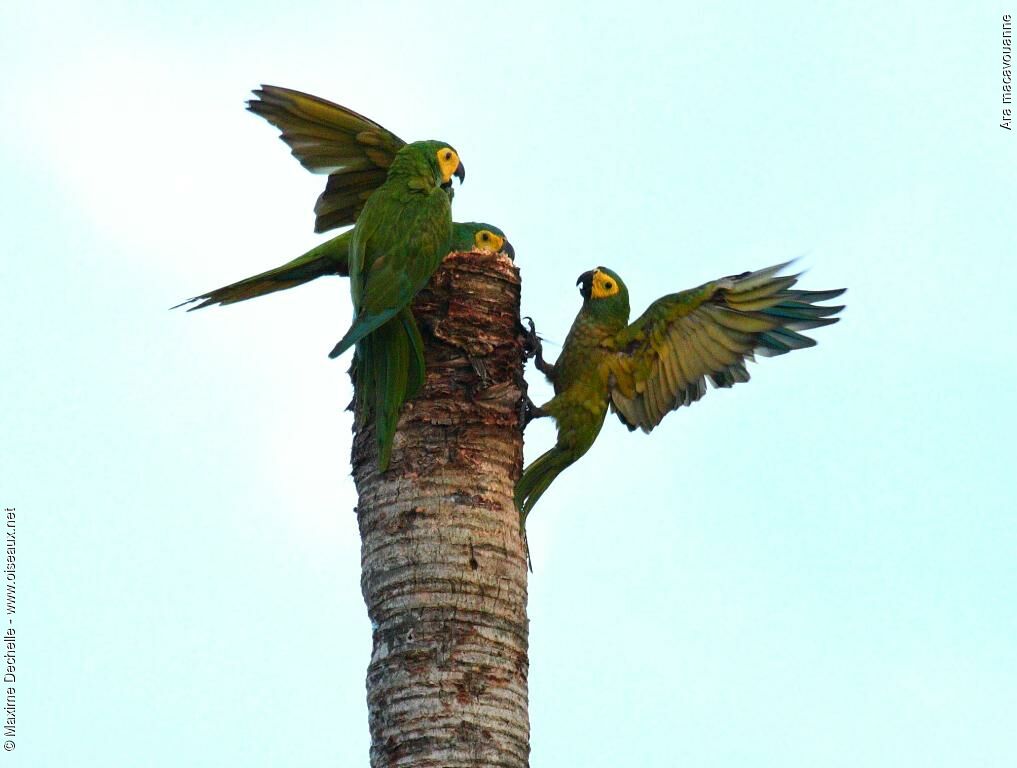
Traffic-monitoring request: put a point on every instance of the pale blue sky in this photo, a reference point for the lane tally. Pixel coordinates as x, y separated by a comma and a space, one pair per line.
817, 568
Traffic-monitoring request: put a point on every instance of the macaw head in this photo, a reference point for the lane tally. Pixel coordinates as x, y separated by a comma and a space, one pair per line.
436, 157
477, 236
604, 293
450, 165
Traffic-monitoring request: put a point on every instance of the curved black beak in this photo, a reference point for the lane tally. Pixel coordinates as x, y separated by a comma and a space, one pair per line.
585, 282
460, 172
507, 248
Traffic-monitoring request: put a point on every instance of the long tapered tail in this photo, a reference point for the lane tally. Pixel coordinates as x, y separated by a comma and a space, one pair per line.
390, 369
538, 477
329, 258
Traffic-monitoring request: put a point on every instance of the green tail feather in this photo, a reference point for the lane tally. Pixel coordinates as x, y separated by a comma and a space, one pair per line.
415, 376
329, 258
391, 359
390, 369
537, 478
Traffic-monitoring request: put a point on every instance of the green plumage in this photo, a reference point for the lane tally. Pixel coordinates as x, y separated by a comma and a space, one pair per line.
353, 150
661, 362
401, 236
332, 258
399, 195
329, 258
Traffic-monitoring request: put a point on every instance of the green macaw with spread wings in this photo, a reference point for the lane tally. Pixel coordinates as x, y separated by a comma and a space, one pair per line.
659, 363
356, 153
398, 195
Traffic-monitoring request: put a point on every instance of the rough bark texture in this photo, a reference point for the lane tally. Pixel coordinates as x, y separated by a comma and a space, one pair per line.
444, 572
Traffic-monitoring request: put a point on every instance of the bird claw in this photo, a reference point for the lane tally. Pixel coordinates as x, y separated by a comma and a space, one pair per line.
531, 341
528, 410
531, 411
534, 348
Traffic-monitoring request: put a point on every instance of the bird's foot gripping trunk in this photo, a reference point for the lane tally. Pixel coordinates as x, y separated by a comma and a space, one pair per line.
444, 574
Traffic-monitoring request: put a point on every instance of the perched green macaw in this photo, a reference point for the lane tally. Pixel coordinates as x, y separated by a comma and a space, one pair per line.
332, 258
662, 360
399, 196
401, 237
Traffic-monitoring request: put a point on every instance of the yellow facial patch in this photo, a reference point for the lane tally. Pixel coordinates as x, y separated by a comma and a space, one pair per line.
448, 161
485, 240
603, 285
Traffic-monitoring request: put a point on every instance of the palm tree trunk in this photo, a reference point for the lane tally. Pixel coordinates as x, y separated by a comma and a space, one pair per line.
444, 573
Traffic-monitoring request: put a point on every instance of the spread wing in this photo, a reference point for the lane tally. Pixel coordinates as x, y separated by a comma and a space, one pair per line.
325, 137
709, 332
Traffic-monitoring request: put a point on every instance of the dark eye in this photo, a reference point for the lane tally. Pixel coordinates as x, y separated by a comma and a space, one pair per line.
485, 237
448, 155
607, 286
